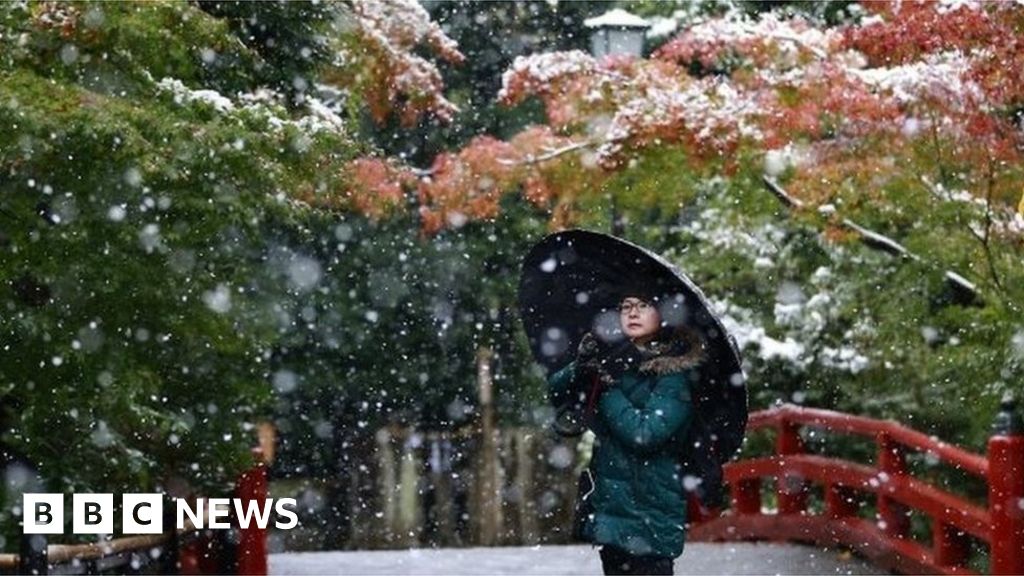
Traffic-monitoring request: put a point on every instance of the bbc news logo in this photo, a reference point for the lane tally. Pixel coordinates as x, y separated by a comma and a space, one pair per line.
144, 513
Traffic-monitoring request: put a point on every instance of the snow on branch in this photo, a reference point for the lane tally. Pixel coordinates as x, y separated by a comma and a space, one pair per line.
314, 117
549, 154
765, 41
730, 89
382, 61
883, 243
880, 241
782, 195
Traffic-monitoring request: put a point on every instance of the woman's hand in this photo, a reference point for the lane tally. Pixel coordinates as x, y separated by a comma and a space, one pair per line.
607, 362
588, 353
621, 358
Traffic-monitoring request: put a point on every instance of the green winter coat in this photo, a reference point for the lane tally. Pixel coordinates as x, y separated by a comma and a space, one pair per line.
639, 502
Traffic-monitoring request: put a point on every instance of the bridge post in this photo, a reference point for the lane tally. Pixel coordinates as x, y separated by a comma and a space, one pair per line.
1006, 489
791, 489
950, 544
840, 501
252, 541
892, 463
746, 496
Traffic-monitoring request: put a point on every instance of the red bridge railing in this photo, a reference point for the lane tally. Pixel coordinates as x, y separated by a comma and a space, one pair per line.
886, 539
176, 551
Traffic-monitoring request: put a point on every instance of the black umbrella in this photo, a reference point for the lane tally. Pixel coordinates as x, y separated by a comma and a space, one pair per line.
572, 282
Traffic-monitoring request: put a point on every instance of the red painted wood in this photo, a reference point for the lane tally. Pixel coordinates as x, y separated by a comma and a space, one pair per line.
791, 488
950, 545
200, 556
252, 543
840, 501
697, 512
892, 515
905, 490
1006, 503
862, 426
886, 542
746, 495
863, 536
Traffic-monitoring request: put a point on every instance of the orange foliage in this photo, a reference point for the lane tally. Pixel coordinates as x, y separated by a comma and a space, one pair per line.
377, 185
853, 98
381, 61
466, 185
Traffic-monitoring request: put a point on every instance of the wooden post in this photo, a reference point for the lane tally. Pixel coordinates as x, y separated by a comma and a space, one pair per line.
387, 483
892, 465
528, 532
266, 434
746, 496
950, 544
840, 501
792, 489
487, 515
252, 541
440, 475
1006, 490
506, 464
409, 519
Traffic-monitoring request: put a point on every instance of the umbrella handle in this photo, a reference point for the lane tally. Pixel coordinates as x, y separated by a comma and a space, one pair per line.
595, 383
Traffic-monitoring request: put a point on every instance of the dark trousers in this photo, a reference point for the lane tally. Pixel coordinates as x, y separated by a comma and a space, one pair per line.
618, 561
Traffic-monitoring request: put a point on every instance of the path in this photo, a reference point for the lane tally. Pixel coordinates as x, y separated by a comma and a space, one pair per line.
699, 558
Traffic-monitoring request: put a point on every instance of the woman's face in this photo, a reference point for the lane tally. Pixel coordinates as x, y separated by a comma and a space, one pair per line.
640, 319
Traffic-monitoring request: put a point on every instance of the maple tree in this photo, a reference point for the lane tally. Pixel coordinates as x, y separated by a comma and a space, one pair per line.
901, 127
379, 60
783, 88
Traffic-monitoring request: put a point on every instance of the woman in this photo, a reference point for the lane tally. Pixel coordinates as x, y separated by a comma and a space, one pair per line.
640, 420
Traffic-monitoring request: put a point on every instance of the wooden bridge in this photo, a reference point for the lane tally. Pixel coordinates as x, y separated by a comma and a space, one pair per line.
886, 488
886, 539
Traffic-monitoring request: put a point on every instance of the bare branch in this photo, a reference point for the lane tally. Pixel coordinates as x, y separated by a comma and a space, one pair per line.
812, 49
984, 236
531, 159
781, 194
985, 243
881, 242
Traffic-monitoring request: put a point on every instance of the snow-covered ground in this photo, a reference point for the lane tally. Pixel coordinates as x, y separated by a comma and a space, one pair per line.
699, 558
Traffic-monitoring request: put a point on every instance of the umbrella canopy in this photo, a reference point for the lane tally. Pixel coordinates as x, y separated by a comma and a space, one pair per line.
572, 282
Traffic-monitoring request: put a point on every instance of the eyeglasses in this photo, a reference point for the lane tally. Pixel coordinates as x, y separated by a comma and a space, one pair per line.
640, 306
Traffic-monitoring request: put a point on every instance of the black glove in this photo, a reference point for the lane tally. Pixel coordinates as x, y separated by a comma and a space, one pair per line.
609, 362
594, 359
588, 354
621, 358
570, 417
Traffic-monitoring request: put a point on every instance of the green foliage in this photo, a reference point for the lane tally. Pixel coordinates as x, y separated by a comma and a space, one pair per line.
140, 303
117, 49
291, 38
826, 320
398, 323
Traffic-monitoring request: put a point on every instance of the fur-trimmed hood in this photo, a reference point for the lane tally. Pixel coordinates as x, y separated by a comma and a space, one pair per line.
674, 350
